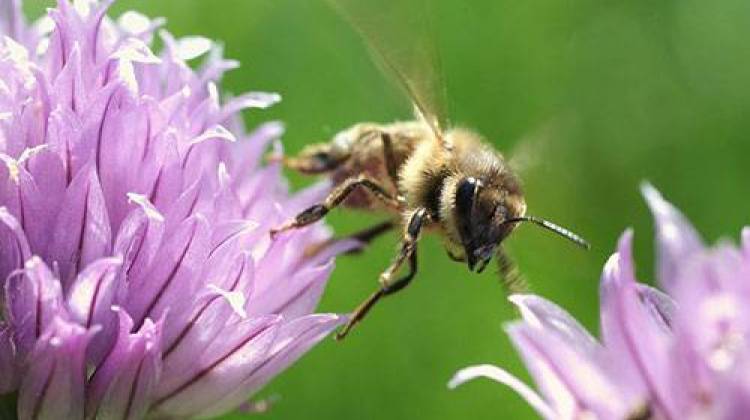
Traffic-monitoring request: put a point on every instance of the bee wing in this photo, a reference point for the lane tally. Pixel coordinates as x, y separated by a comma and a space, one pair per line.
401, 38
535, 147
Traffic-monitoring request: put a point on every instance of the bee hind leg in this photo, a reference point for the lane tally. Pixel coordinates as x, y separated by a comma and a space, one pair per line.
368, 235
316, 212
364, 237
408, 251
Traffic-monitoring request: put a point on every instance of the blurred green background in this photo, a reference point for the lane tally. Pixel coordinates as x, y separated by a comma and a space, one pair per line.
608, 92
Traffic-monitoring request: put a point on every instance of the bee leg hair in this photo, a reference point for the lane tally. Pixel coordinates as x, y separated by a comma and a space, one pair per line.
336, 197
408, 251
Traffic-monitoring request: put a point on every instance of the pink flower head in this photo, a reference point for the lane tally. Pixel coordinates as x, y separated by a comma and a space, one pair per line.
679, 354
136, 271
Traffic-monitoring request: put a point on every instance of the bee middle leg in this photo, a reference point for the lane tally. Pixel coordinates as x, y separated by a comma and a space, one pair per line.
408, 251
316, 212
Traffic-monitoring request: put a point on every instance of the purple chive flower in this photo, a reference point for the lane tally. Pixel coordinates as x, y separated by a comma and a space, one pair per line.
137, 277
679, 354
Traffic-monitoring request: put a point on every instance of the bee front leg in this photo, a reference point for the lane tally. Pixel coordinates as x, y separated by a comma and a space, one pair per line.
316, 212
408, 251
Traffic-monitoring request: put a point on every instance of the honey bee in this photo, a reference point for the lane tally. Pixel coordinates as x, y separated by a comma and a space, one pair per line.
427, 178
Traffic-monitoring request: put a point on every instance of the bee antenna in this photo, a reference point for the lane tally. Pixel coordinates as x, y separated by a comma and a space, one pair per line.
565, 233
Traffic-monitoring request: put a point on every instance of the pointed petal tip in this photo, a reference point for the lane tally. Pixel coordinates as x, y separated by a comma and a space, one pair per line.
624, 254
146, 206
650, 192
612, 265
524, 303
542, 314
271, 128
676, 237
333, 319
619, 268
235, 299
124, 319
502, 376
656, 202
476, 371
33, 262
745, 239
626, 239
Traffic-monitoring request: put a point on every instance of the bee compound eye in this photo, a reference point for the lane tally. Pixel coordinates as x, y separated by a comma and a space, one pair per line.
466, 192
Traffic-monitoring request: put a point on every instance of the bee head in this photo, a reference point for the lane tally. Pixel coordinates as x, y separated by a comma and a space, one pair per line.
481, 211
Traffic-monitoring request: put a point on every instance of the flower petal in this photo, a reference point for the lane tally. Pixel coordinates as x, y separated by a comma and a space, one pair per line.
191, 47
174, 277
183, 206
53, 385
121, 387
137, 241
260, 100
547, 316
44, 195
93, 291
14, 244
745, 242
637, 343
82, 232
248, 152
64, 134
215, 132
495, 373
293, 340
137, 24
90, 299
659, 305
676, 237
12, 20
299, 296
68, 87
209, 317
8, 360
135, 50
572, 383
220, 370
33, 300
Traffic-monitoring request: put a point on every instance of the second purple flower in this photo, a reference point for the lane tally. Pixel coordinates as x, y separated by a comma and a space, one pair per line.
679, 354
